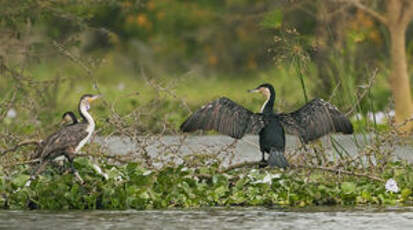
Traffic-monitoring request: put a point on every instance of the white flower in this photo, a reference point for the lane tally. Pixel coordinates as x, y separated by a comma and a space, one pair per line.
11, 113
253, 171
267, 179
391, 186
28, 182
184, 169
99, 171
146, 173
380, 117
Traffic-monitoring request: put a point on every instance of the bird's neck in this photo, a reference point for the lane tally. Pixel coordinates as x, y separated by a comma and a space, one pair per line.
74, 119
86, 116
268, 106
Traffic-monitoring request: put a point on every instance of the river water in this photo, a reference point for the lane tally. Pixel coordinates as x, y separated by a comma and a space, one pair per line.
245, 149
214, 218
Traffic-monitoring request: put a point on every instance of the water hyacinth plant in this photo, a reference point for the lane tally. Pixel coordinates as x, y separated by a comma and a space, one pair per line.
132, 186
391, 186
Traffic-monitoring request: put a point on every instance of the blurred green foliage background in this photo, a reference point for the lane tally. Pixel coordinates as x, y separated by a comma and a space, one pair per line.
199, 50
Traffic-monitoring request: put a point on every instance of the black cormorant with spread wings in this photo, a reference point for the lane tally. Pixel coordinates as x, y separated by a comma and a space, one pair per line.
314, 120
69, 139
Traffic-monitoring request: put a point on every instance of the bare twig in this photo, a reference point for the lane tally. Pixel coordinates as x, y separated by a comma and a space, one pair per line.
21, 163
239, 165
105, 156
340, 171
359, 5
23, 143
366, 88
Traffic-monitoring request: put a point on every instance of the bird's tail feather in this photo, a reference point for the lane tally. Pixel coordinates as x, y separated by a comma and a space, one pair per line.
277, 159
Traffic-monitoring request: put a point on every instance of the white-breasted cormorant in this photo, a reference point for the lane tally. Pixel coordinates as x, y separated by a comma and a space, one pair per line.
315, 119
69, 139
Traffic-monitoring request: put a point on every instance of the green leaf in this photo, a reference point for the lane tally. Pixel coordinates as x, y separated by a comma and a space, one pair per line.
406, 193
20, 180
348, 187
220, 191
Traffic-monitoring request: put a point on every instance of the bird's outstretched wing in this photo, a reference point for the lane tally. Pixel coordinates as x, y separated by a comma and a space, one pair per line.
314, 120
226, 117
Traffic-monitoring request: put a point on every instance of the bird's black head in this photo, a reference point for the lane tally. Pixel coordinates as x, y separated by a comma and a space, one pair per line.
266, 85
69, 118
266, 89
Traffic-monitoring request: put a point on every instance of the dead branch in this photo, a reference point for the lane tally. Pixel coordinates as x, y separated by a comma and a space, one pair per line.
340, 171
23, 143
366, 88
111, 157
169, 91
359, 5
239, 165
21, 163
327, 169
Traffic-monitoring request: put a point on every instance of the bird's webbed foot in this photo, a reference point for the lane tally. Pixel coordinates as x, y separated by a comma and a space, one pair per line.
262, 164
78, 177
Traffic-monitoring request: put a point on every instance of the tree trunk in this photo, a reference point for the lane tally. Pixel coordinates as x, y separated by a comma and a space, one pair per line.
399, 79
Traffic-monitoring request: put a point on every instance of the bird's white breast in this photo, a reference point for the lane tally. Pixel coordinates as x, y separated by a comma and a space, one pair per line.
89, 129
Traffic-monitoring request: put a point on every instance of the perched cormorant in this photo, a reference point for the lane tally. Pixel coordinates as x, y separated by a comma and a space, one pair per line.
227, 117
315, 119
69, 139
69, 118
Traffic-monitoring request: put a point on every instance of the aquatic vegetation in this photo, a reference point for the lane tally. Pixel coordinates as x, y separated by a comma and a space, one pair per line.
131, 186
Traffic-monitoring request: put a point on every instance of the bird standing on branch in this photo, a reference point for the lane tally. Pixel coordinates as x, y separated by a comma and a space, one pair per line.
314, 120
68, 140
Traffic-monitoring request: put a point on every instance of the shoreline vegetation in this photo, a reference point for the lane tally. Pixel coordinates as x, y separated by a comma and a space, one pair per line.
133, 181
131, 186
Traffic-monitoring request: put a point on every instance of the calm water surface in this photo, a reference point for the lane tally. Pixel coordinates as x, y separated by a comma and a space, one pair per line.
213, 218
246, 149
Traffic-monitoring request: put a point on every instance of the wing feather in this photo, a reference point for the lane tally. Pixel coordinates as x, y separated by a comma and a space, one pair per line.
66, 137
314, 120
226, 117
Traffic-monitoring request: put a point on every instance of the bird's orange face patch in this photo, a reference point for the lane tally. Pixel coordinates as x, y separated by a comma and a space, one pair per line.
265, 91
90, 99
67, 119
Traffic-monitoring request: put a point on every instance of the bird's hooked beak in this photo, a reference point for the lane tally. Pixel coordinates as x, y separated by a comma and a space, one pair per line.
256, 90
263, 90
62, 122
94, 97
